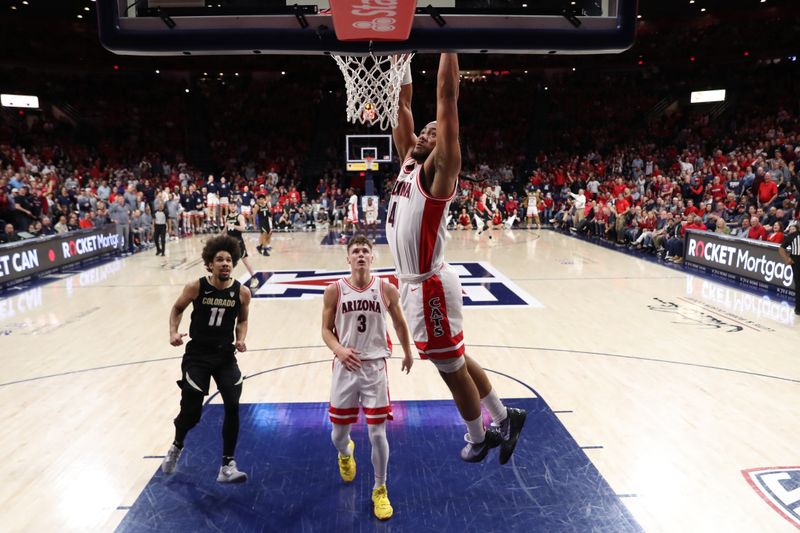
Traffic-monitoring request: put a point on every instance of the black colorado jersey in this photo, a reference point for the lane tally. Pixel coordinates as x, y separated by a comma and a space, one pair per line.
232, 220
265, 216
214, 316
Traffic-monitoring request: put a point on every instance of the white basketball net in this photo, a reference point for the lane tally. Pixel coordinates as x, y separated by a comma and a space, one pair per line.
373, 87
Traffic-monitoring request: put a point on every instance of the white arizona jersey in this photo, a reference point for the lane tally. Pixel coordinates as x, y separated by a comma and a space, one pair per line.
361, 319
352, 208
371, 212
532, 207
416, 225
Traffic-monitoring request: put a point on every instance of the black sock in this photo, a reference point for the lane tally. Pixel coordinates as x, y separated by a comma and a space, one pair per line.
226, 460
177, 444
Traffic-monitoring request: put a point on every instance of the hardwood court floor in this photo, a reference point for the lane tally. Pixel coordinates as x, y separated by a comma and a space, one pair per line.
674, 384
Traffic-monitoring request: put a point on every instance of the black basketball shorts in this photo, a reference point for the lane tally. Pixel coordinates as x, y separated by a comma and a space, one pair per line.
198, 368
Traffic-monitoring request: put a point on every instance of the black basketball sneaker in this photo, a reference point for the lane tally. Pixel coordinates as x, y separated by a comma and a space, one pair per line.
510, 428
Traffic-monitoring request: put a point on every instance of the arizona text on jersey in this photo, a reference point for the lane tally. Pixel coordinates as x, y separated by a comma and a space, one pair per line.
416, 224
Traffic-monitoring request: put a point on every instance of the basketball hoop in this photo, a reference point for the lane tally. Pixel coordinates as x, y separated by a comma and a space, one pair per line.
368, 163
373, 87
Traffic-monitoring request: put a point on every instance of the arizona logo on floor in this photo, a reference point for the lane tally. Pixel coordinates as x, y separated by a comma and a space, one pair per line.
482, 285
779, 486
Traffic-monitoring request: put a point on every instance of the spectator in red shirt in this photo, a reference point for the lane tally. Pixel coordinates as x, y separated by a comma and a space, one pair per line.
717, 189
87, 222
696, 223
719, 158
617, 188
757, 231
767, 191
696, 190
622, 207
777, 233
730, 202
511, 206
559, 179
691, 210
294, 196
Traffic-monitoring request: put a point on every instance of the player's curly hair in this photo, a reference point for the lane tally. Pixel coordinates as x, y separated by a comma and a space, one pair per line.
219, 244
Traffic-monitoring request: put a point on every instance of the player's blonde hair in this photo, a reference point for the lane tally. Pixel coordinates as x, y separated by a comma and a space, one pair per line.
358, 239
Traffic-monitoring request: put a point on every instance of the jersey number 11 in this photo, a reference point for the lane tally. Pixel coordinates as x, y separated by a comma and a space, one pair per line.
216, 316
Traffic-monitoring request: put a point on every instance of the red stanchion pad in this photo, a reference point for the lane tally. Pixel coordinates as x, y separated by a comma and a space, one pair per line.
372, 20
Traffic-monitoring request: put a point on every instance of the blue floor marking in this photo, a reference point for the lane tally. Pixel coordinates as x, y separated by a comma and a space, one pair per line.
294, 485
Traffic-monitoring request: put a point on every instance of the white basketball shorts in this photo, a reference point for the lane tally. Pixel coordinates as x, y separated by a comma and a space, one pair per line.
433, 312
368, 387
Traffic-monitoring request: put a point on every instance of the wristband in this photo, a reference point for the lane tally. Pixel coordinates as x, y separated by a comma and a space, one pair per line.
407, 75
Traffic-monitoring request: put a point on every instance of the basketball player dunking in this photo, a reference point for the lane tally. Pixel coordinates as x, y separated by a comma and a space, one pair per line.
220, 307
354, 328
430, 289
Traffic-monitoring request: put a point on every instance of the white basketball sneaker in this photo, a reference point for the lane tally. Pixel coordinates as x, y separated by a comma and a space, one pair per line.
171, 459
230, 474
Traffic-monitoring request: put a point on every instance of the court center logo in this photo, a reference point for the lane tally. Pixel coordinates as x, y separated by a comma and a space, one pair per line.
779, 486
482, 285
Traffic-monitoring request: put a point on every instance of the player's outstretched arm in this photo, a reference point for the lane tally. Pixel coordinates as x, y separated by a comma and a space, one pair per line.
446, 157
189, 293
399, 323
403, 135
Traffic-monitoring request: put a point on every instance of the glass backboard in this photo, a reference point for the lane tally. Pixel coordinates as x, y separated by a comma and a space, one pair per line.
205, 27
360, 148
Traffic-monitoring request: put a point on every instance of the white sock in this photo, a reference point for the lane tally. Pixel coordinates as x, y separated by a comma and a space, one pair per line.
476, 430
495, 406
380, 452
340, 436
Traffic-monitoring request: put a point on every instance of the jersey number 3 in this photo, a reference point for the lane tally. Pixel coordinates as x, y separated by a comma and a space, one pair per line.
362, 323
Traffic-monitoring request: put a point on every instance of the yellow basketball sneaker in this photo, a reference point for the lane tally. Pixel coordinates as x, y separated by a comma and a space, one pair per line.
381, 506
347, 464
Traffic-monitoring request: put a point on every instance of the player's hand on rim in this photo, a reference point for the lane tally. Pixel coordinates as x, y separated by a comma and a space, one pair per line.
176, 339
394, 58
349, 358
